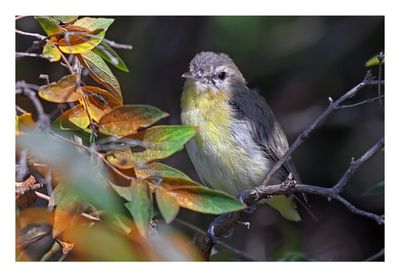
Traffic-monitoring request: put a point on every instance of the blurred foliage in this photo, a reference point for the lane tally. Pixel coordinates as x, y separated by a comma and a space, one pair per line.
295, 62
96, 214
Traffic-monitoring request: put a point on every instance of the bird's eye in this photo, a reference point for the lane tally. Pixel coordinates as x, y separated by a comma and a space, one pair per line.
222, 75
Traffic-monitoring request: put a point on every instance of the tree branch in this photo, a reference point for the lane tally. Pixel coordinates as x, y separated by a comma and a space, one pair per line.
334, 105
223, 223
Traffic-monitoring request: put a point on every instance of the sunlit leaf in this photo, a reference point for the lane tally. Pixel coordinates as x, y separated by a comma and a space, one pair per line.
75, 42
161, 142
100, 242
159, 170
65, 90
293, 256
196, 197
108, 54
92, 24
51, 52
66, 18
99, 102
167, 204
49, 24
141, 206
72, 119
101, 73
376, 190
128, 119
23, 122
285, 206
373, 61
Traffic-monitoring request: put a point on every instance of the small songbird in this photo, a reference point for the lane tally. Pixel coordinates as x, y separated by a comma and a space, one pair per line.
238, 139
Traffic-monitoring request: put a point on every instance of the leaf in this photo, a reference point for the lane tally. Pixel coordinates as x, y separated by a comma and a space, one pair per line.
141, 206
76, 42
373, 61
51, 52
49, 24
159, 170
167, 204
128, 119
73, 119
65, 90
196, 197
285, 206
93, 24
108, 54
161, 142
23, 122
66, 18
100, 102
376, 190
68, 208
101, 73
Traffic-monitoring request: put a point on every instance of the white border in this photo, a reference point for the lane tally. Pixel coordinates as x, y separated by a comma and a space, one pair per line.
204, 7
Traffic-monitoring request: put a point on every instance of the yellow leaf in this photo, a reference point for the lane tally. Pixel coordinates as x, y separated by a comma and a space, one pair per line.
65, 90
51, 52
75, 42
23, 122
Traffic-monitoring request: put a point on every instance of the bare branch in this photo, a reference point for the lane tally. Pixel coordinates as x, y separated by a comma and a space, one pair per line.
34, 55
35, 35
118, 45
355, 165
306, 133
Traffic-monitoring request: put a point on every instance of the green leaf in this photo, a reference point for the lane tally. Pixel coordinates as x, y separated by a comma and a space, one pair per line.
376, 190
73, 119
285, 206
108, 54
93, 24
80, 42
68, 207
373, 61
65, 90
167, 204
127, 119
195, 197
161, 142
51, 52
159, 170
141, 206
101, 73
49, 24
66, 18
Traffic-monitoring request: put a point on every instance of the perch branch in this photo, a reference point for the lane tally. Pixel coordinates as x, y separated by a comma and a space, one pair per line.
334, 105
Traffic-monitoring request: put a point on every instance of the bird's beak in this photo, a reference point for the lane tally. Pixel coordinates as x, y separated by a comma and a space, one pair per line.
188, 75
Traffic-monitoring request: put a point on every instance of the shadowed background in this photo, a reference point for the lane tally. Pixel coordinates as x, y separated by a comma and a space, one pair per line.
296, 63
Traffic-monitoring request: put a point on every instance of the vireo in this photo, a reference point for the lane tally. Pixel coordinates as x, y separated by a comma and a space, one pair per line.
238, 138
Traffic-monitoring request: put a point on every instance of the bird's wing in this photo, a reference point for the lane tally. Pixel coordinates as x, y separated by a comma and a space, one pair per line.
266, 131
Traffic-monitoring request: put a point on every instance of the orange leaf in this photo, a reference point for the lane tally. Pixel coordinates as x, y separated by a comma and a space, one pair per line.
99, 101
128, 119
23, 122
65, 90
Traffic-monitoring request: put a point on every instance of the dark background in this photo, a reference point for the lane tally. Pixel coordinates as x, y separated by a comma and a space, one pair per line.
296, 63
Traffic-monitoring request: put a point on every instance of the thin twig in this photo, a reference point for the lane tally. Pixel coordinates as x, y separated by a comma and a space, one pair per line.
35, 35
118, 45
376, 256
26, 89
47, 198
370, 100
306, 133
33, 55
239, 253
355, 165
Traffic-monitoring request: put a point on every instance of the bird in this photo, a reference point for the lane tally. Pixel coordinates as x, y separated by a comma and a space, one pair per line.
238, 138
